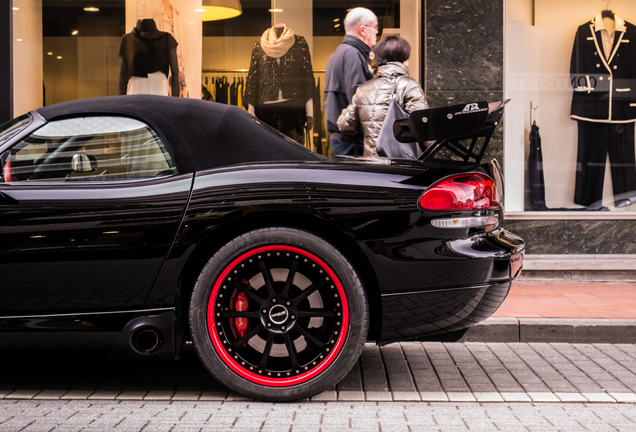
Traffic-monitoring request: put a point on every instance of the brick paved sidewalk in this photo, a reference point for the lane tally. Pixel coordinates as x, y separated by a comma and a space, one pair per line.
400, 372
579, 300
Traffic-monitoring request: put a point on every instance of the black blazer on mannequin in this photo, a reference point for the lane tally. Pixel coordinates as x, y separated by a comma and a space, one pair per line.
604, 89
147, 50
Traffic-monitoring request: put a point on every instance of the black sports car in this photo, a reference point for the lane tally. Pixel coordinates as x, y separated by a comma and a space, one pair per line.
139, 223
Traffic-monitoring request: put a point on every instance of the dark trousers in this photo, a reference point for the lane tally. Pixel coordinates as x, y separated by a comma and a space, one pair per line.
346, 147
596, 140
288, 120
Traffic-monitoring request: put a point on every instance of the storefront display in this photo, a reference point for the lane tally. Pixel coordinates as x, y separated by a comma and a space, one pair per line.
75, 50
571, 70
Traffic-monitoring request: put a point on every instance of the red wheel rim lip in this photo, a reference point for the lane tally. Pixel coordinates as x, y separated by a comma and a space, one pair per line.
283, 381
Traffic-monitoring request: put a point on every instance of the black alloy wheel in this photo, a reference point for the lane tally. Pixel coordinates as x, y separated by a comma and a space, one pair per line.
278, 314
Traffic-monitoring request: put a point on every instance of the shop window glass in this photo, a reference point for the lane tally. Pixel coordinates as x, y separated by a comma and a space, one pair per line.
88, 149
74, 49
569, 130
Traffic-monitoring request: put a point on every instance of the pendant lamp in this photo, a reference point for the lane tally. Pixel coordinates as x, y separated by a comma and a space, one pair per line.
214, 10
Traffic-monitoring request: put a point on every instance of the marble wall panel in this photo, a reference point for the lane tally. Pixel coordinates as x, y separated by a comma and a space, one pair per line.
576, 236
464, 55
464, 45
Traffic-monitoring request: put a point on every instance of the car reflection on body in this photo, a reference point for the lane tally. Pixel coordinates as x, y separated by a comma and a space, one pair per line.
142, 222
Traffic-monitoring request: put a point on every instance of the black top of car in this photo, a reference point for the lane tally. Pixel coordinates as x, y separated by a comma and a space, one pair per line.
194, 127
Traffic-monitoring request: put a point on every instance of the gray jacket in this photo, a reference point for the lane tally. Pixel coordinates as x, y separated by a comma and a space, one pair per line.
370, 104
346, 70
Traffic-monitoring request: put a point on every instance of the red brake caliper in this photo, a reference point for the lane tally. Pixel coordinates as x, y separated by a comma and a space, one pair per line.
242, 324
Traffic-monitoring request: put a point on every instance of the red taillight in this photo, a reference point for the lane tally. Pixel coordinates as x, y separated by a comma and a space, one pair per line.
6, 173
461, 192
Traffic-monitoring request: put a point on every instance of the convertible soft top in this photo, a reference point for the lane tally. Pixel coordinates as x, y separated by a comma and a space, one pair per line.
201, 134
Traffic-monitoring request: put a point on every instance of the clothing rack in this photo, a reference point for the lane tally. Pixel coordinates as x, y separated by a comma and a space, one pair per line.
240, 71
317, 142
223, 88
216, 71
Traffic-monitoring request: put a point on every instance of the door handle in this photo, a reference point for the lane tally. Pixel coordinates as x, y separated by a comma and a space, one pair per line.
6, 199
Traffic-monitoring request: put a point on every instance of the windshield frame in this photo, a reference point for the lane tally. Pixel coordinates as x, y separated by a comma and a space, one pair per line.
15, 126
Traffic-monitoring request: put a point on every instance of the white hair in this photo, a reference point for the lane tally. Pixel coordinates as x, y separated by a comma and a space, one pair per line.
357, 17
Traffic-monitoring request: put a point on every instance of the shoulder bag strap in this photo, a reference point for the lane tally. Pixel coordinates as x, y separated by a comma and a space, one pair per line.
394, 81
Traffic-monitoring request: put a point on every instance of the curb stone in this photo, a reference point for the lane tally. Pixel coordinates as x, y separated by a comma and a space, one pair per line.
615, 331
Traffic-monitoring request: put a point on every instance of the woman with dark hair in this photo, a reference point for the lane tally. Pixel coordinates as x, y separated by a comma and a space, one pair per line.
370, 104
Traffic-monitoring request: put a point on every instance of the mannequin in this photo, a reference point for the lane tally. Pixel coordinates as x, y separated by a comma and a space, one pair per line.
146, 56
602, 70
280, 83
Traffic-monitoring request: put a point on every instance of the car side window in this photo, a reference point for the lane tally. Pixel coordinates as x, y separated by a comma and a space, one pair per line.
88, 149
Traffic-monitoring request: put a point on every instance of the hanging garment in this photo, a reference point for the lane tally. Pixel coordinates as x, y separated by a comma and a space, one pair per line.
222, 90
219, 90
205, 93
319, 133
239, 96
535, 171
234, 93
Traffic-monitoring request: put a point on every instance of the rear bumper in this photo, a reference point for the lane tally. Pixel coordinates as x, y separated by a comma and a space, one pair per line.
414, 316
458, 284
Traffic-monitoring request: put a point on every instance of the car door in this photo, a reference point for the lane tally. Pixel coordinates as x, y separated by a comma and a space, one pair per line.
89, 207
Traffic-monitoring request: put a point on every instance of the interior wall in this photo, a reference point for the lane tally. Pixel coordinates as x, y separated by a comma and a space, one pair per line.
61, 68
521, 61
520, 10
88, 67
410, 28
27, 56
235, 52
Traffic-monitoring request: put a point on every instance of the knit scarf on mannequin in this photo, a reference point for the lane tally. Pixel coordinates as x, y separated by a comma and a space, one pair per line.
275, 46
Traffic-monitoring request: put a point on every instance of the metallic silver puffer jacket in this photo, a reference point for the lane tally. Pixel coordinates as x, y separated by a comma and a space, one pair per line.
370, 104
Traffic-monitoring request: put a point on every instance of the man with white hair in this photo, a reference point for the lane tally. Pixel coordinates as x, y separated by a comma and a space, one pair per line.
347, 69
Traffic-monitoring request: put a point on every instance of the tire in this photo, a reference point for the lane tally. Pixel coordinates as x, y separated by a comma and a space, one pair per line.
320, 315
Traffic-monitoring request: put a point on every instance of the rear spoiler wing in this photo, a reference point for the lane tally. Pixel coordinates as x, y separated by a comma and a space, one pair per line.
461, 133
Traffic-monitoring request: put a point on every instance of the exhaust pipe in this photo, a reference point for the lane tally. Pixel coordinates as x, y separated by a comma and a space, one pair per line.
146, 340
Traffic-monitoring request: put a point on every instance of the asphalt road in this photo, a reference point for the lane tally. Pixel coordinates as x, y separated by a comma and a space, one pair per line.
408, 386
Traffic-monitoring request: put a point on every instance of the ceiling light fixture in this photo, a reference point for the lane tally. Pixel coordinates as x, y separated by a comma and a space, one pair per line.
215, 10
59, 57
275, 10
74, 32
49, 53
91, 9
